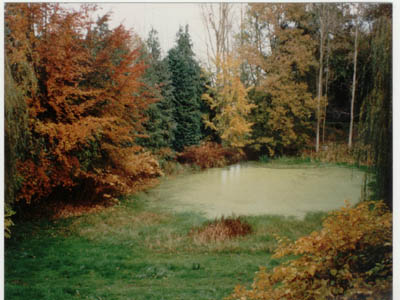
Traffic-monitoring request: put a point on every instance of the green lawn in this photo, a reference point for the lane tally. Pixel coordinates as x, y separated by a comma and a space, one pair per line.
136, 250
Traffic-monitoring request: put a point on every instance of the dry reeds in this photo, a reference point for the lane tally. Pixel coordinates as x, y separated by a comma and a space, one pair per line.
221, 229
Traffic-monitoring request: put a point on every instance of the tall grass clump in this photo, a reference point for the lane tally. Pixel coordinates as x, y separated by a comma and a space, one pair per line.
222, 229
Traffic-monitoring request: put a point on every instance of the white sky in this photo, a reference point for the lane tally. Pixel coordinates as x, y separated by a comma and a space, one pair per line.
163, 17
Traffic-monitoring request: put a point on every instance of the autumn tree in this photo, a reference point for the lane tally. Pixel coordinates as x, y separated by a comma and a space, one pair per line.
228, 99
85, 105
188, 86
285, 104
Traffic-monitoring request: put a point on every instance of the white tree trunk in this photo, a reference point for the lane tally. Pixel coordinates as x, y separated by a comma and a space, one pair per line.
353, 92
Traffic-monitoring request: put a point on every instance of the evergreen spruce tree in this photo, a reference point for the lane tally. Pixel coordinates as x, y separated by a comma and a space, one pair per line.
160, 124
188, 88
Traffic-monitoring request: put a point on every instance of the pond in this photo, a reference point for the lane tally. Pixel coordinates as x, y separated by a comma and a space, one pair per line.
256, 188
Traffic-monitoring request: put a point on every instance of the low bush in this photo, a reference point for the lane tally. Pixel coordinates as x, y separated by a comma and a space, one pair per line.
209, 155
350, 258
221, 229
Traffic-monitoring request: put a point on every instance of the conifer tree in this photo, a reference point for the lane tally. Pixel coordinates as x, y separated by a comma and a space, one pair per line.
160, 124
188, 87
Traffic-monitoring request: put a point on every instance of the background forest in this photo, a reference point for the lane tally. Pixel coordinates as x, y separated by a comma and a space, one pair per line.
94, 113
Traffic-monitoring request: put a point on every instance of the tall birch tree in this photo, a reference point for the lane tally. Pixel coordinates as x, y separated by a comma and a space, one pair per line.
357, 11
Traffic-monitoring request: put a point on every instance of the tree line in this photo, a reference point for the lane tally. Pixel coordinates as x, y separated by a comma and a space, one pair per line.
87, 106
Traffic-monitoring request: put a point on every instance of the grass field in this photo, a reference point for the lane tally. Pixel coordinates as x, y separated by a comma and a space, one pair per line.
136, 250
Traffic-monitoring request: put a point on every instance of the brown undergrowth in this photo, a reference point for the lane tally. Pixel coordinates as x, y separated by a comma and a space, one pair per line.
221, 229
209, 155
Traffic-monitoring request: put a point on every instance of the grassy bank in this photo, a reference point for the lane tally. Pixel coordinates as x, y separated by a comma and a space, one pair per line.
311, 162
136, 250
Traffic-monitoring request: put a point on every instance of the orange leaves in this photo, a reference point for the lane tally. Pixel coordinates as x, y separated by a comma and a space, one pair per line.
40, 180
86, 100
350, 257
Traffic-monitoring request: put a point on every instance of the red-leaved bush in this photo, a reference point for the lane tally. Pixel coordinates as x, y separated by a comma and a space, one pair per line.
209, 155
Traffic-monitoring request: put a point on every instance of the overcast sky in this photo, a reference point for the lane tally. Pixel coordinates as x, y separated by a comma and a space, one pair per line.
165, 18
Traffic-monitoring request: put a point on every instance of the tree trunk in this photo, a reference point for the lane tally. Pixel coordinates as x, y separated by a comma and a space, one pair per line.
321, 61
326, 91
353, 92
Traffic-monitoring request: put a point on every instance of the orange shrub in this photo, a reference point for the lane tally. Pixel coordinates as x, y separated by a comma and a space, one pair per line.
209, 155
350, 258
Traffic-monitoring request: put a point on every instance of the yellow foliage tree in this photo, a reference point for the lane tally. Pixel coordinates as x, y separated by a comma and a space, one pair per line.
228, 99
285, 104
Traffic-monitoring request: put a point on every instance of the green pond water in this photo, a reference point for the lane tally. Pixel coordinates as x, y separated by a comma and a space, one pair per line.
255, 189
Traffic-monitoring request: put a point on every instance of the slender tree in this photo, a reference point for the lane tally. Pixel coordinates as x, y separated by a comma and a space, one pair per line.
353, 89
218, 21
322, 18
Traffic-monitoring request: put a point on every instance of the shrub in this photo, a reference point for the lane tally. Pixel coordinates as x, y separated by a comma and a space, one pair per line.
350, 258
222, 229
209, 155
264, 158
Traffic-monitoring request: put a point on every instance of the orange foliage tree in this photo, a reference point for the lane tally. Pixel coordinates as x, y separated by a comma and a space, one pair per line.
82, 84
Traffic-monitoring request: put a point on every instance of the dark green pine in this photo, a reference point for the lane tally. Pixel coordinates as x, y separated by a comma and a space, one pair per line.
160, 125
188, 87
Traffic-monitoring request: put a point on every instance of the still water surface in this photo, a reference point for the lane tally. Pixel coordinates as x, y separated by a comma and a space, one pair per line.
254, 189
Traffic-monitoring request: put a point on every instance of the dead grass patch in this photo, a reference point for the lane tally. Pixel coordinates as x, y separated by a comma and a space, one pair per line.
221, 229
